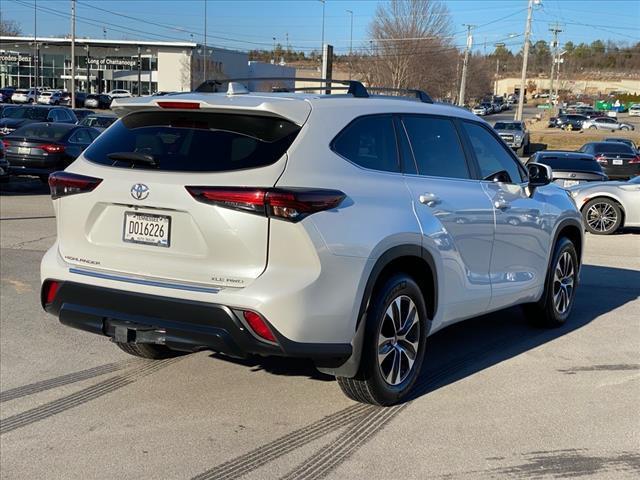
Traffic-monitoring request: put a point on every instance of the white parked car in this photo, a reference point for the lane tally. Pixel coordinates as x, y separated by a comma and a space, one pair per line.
341, 228
119, 93
23, 95
605, 123
634, 110
479, 110
44, 98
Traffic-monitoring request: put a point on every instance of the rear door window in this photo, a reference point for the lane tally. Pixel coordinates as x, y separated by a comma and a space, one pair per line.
369, 142
196, 141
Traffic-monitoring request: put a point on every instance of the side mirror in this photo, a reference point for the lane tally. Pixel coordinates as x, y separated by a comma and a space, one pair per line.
539, 174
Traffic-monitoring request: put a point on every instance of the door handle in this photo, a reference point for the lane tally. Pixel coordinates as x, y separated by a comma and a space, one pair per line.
429, 199
501, 204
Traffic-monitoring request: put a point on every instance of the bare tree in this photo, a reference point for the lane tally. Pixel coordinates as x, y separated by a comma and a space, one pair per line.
10, 28
410, 47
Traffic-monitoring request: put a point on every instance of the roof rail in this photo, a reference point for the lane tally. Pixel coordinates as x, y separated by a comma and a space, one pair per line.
421, 95
352, 87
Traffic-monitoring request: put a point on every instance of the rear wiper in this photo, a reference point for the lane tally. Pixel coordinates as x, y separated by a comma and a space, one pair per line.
134, 158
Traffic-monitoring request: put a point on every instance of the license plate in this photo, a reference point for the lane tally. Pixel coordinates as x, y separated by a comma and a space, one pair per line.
571, 183
147, 229
24, 150
617, 162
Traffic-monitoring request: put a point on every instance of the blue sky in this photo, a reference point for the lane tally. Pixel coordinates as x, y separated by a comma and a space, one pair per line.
244, 24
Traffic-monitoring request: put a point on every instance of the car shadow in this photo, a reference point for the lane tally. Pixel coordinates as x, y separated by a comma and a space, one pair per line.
14, 186
474, 345
468, 347
536, 147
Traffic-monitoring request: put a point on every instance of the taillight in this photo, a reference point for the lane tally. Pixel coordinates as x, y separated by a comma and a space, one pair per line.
49, 291
635, 160
64, 183
52, 148
5, 143
258, 325
292, 204
601, 160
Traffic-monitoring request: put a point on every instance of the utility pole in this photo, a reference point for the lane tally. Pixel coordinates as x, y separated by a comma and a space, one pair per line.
73, 53
495, 85
89, 71
525, 59
350, 12
554, 58
463, 82
274, 50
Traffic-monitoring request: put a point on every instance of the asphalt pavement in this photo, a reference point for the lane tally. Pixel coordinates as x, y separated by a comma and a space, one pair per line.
497, 398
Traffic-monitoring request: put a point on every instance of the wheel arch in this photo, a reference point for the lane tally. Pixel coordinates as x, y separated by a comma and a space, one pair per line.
573, 230
414, 260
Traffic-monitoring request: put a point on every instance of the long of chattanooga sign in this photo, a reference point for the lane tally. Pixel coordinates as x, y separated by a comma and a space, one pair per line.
113, 61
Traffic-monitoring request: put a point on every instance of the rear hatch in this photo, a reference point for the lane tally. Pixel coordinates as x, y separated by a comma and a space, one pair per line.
618, 159
141, 221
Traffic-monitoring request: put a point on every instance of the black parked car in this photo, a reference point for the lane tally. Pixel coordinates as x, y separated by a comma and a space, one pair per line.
571, 121
618, 160
570, 168
24, 115
80, 98
95, 100
5, 108
42, 148
81, 113
5, 94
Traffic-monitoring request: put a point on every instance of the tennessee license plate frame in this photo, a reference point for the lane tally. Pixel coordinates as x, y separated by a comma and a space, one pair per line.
147, 229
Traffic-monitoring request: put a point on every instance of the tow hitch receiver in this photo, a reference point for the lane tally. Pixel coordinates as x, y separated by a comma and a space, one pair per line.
126, 332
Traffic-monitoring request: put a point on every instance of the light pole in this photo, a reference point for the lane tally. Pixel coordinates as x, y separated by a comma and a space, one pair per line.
274, 50
35, 48
322, 41
88, 71
204, 47
139, 72
73, 53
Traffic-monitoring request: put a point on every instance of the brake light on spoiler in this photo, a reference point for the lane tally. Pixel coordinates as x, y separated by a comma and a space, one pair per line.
292, 204
179, 105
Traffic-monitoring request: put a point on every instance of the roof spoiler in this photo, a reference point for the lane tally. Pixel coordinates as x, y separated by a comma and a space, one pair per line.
352, 87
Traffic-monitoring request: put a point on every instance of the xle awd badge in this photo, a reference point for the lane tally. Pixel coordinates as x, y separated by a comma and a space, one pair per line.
139, 191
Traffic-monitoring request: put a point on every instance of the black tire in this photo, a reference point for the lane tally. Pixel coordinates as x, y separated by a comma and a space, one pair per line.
602, 216
520, 151
146, 350
546, 312
369, 385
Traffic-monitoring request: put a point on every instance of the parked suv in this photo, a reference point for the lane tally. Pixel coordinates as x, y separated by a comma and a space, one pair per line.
515, 135
341, 228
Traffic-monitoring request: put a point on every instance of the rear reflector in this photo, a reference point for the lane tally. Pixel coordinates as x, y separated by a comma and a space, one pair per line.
49, 291
51, 148
64, 183
258, 325
180, 105
288, 204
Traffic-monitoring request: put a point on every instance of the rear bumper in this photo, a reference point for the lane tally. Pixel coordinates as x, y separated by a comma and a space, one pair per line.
622, 172
177, 323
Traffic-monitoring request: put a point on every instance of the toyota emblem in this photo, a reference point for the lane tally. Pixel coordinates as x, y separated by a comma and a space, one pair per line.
139, 191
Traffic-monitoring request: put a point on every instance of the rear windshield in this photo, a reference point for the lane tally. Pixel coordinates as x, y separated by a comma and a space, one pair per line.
49, 131
584, 164
195, 142
97, 121
612, 147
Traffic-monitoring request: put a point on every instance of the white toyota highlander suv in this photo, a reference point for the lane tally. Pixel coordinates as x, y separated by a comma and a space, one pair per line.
345, 228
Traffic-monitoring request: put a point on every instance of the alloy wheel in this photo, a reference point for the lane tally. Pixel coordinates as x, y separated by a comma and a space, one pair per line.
398, 340
601, 217
563, 283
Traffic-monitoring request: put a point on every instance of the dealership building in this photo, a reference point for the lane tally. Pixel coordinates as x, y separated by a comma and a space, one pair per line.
102, 65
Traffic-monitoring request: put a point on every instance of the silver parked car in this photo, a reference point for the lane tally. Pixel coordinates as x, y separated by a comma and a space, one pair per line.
608, 206
605, 123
